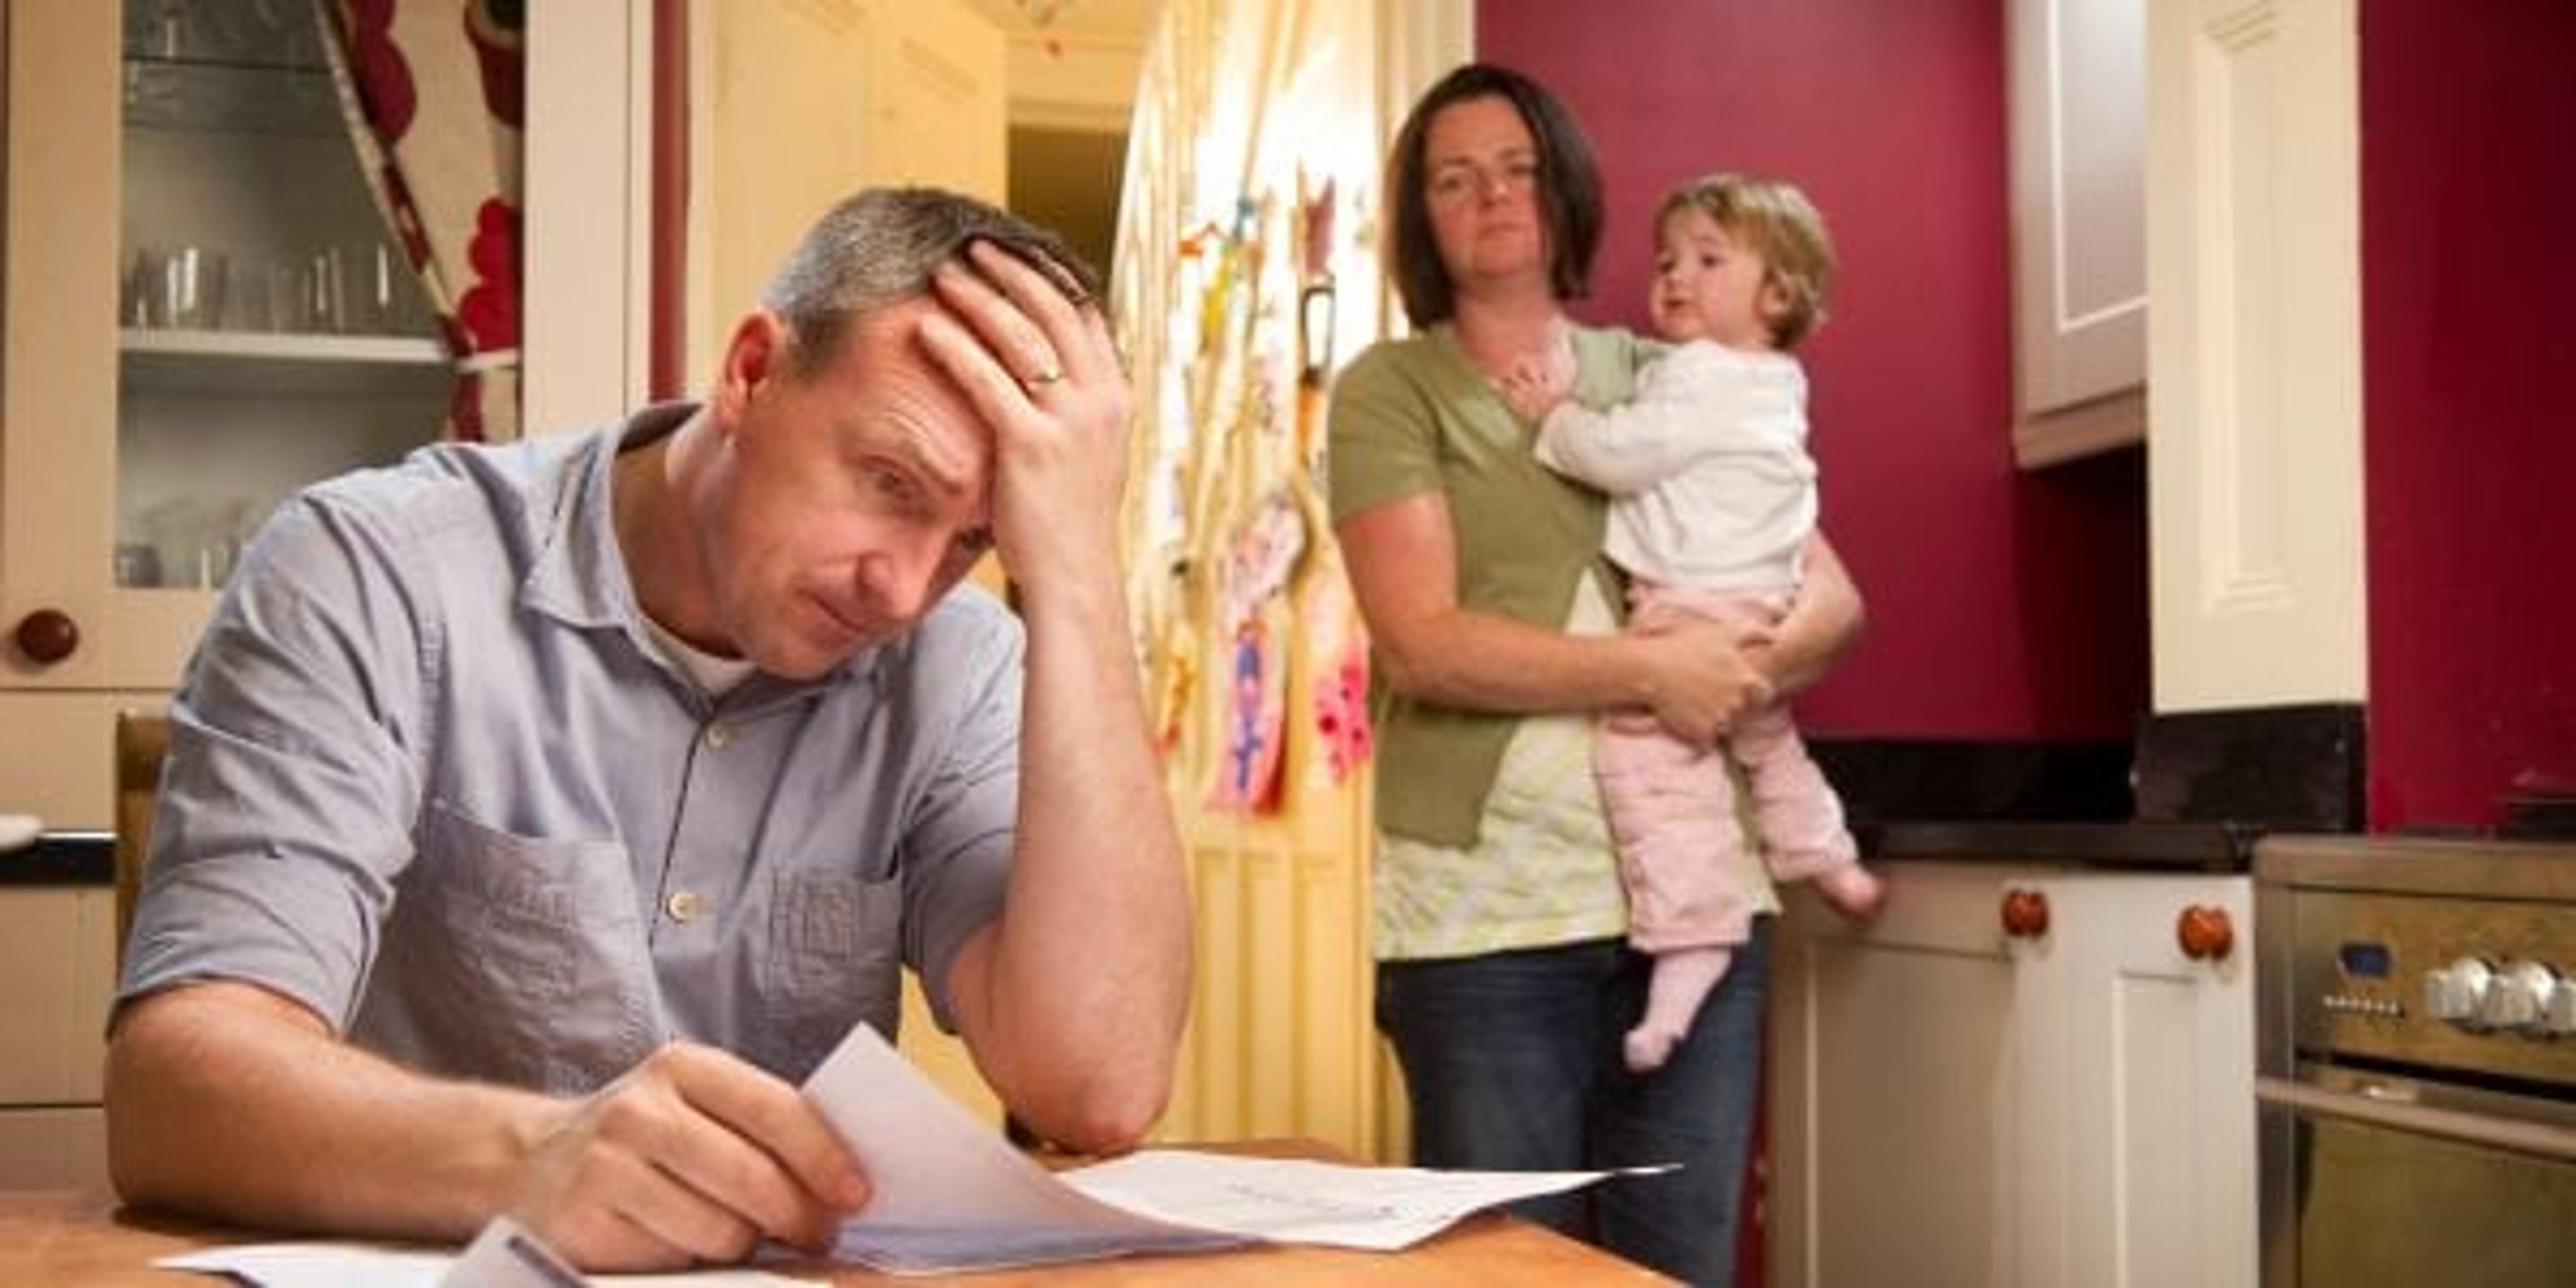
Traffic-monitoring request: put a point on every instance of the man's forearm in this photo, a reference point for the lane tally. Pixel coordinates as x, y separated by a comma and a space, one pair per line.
1088, 985
227, 1100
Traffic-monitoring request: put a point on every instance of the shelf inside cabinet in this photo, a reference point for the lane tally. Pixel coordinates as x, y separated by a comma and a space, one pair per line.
230, 98
260, 362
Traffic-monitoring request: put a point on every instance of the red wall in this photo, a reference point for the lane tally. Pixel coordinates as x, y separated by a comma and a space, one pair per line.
2002, 604
2468, 230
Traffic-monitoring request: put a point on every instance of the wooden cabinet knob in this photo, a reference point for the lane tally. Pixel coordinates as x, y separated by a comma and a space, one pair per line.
47, 636
2204, 933
2025, 914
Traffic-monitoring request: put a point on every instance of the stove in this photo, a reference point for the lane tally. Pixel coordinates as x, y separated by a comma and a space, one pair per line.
2416, 1061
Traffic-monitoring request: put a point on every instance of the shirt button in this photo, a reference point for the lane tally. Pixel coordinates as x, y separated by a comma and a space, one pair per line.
684, 905
719, 735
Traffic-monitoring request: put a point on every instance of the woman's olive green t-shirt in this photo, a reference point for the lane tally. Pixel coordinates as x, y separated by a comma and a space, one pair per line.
1491, 832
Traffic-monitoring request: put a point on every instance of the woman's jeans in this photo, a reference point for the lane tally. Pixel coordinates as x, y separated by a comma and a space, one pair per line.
1512, 1062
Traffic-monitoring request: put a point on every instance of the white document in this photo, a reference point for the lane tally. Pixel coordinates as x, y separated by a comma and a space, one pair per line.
952, 1194
1291, 1200
387, 1265
505, 1255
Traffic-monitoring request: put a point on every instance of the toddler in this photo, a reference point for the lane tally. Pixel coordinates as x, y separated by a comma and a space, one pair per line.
1713, 499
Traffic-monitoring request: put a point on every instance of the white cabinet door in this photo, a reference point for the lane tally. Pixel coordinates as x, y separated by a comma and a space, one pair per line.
2079, 208
1896, 1082
58, 386
54, 1150
58, 952
2145, 1130
2254, 352
1953, 1105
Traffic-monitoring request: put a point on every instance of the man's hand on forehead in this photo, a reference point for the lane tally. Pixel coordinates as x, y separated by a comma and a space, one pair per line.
1061, 275
1042, 371
1029, 314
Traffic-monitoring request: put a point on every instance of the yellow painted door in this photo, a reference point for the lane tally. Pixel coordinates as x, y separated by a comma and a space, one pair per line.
811, 100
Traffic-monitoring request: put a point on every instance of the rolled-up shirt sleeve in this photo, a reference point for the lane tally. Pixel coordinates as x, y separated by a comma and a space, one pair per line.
286, 802
958, 839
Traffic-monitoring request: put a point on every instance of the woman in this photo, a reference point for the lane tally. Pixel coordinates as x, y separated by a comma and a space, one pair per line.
1503, 981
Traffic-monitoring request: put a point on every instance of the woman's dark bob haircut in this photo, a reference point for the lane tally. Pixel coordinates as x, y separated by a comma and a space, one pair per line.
1569, 191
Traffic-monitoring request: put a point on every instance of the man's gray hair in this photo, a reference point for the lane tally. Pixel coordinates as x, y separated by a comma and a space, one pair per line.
879, 248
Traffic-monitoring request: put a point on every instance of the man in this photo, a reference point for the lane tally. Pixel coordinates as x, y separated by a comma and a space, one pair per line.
536, 817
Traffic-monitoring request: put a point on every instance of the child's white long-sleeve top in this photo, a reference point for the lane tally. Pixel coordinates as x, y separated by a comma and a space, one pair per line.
1711, 486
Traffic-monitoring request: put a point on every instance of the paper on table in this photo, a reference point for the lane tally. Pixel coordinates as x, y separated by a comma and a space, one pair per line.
951, 1193
385, 1265
1288, 1200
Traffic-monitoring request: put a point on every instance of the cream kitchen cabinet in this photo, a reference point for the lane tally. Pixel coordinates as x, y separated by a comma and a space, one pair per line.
1959, 1105
2078, 147
2254, 480
56, 949
149, 415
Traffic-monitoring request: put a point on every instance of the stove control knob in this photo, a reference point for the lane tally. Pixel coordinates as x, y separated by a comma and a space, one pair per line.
2558, 1019
2518, 997
2456, 991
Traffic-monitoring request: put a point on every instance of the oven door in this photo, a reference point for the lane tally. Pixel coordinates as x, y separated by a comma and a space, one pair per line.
2375, 1180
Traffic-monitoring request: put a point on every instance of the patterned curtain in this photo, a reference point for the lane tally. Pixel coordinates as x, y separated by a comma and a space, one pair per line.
433, 93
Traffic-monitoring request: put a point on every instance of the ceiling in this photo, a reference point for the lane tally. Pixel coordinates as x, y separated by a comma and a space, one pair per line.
1118, 20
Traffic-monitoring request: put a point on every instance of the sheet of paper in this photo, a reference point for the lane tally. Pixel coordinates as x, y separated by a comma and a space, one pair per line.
1287, 1200
383, 1265
953, 1195
506, 1255
951, 1192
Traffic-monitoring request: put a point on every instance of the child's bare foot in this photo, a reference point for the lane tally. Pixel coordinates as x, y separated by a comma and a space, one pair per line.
1682, 980
1853, 891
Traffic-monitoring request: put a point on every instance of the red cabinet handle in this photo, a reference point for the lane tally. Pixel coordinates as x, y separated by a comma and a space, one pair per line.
2204, 933
47, 636
2025, 914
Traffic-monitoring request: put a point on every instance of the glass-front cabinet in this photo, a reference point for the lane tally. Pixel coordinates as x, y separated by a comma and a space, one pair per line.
204, 312
268, 331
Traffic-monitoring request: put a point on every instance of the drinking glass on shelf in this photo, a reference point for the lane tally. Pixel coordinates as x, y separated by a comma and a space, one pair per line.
197, 538
247, 303
138, 563
136, 292
281, 283
191, 288
377, 299
166, 35
326, 292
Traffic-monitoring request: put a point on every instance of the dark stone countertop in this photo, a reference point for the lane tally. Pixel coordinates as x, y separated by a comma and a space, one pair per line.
62, 858
88, 858
2197, 847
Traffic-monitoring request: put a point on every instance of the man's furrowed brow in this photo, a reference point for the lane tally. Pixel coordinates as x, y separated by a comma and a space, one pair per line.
910, 442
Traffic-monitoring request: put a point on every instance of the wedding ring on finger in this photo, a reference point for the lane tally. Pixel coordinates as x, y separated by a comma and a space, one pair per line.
1036, 380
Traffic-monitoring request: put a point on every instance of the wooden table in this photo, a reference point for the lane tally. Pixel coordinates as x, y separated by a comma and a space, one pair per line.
53, 1238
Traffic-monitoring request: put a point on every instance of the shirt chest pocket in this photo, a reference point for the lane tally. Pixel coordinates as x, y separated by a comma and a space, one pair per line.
832, 958
524, 960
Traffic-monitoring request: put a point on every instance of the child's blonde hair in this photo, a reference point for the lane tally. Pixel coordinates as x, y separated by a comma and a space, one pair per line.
1776, 221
